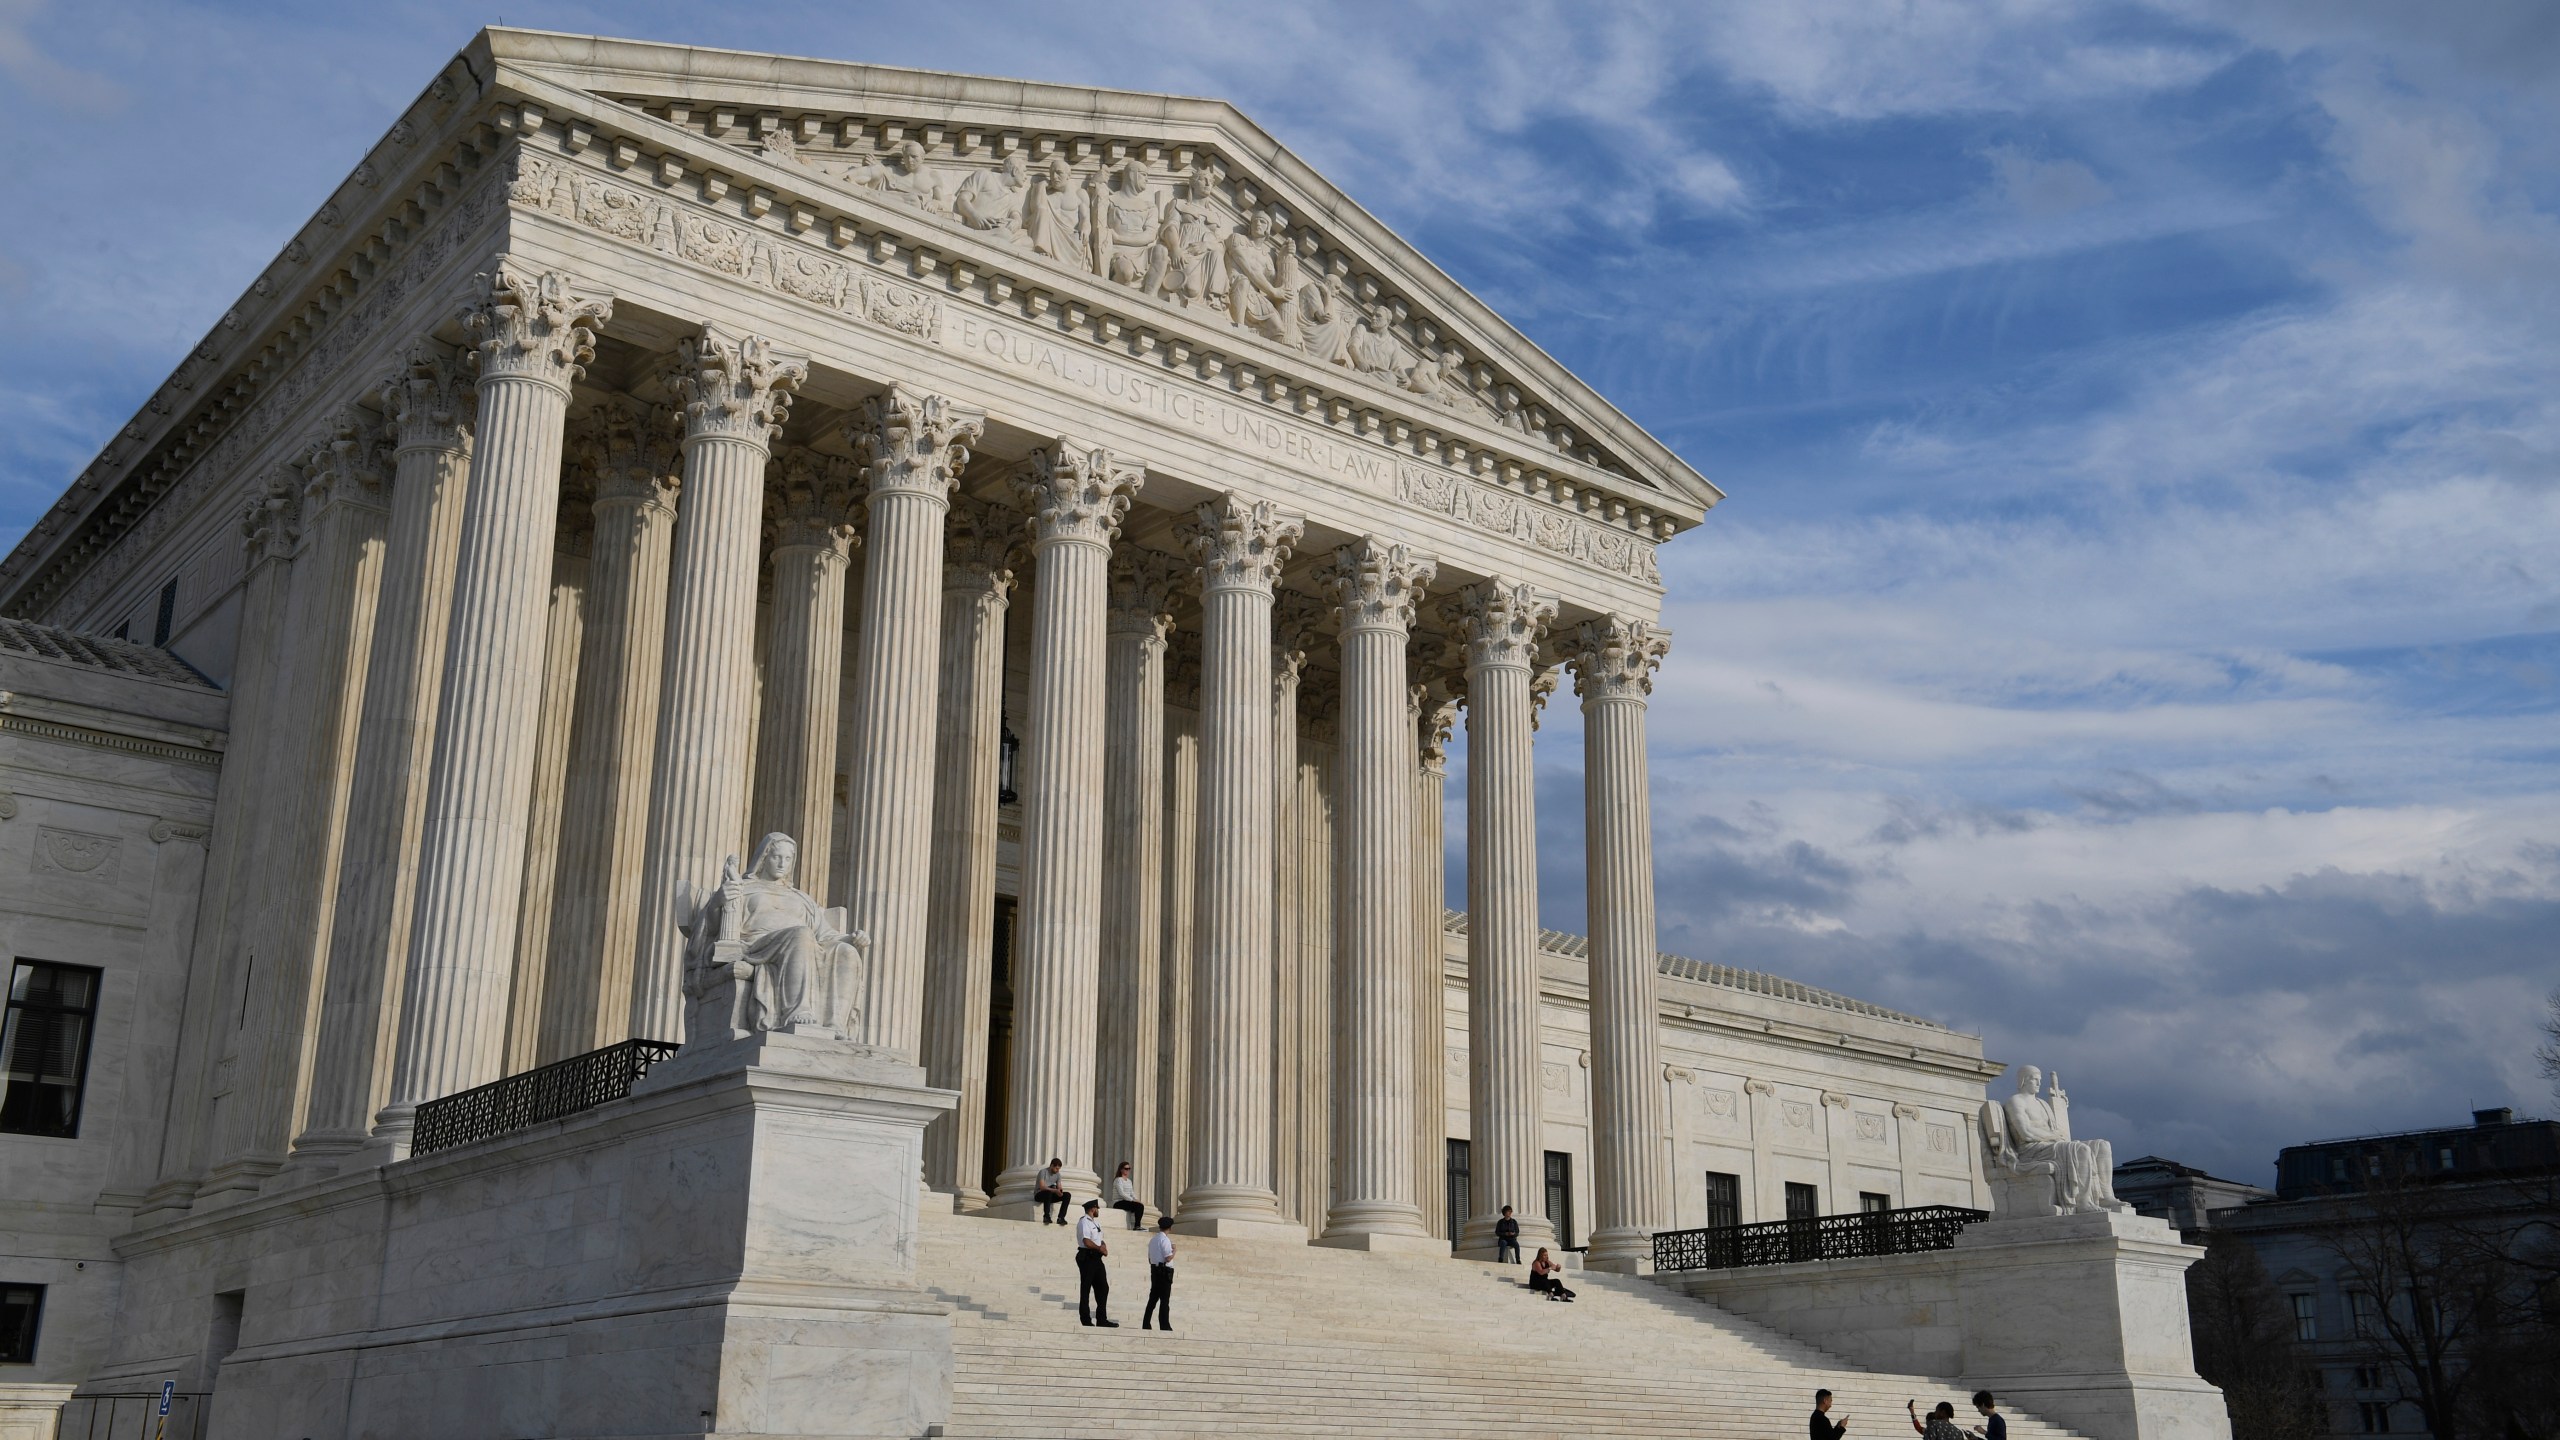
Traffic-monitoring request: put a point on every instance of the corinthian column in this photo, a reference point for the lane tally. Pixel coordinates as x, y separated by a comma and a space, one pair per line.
535, 334
1240, 545
1613, 663
1376, 583
960, 935
1435, 715
804, 664
736, 390
1294, 619
1137, 621
912, 447
550, 772
1500, 623
633, 453
1076, 495
430, 405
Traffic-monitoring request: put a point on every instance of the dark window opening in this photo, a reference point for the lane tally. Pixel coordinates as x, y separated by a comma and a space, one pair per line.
1804, 1202
1871, 1203
21, 1312
168, 612
1458, 1197
52, 1009
1724, 1199
1560, 1196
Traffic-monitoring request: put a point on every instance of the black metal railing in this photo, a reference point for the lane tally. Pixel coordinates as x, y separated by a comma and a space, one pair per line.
1820, 1237
133, 1415
564, 1087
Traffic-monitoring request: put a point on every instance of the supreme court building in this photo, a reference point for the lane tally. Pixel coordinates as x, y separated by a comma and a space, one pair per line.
1066, 516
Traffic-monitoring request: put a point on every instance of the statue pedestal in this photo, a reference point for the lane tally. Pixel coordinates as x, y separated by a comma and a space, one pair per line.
2077, 1319
730, 1252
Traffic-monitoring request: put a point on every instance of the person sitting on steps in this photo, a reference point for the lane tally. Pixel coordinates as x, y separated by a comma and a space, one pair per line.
1506, 1239
1124, 1197
1050, 1189
1542, 1277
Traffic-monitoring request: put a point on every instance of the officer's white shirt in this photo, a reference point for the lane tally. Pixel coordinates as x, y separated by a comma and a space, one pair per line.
1088, 1232
1160, 1249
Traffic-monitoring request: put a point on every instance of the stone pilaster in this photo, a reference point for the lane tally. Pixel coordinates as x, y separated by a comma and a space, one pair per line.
1613, 663
1181, 876
633, 455
562, 638
429, 403
1240, 545
977, 579
1077, 495
328, 631
534, 333
796, 741
1436, 691
912, 446
735, 389
1294, 621
1137, 622
1375, 583
1501, 622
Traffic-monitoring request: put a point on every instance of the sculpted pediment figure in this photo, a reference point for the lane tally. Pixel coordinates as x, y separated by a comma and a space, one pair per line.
2035, 1166
761, 955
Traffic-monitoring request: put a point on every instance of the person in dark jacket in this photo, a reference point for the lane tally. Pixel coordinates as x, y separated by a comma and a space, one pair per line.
1823, 1426
1506, 1239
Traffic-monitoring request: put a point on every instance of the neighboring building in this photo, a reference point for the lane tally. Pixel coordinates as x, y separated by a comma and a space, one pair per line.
2183, 1195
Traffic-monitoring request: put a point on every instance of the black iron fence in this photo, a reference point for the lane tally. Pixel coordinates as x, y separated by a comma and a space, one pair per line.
133, 1415
564, 1087
1820, 1237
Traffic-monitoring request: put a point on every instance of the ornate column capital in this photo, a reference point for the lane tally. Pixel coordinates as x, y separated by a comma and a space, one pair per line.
1295, 621
911, 442
982, 547
1543, 681
1241, 544
350, 464
814, 496
430, 399
734, 387
1143, 586
1614, 658
271, 519
1500, 622
1076, 492
632, 450
1377, 583
1439, 688
1320, 702
534, 326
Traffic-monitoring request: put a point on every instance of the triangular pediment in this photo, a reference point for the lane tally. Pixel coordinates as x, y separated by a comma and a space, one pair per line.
1182, 209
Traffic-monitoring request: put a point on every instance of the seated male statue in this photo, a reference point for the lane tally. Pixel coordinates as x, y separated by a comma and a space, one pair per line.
801, 965
2030, 1134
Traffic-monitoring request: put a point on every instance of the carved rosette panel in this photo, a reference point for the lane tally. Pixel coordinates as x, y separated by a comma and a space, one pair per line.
631, 450
1614, 659
1377, 583
1240, 543
430, 400
1077, 493
915, 443
271, 519
535, 326
1500, 622
813, 498
734, 387
1144, 585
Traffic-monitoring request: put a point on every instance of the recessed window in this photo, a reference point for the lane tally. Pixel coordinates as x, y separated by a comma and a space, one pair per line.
2368, 1315
1871, 1203
21, 1311
1804, 1202
2374, 1417
1724, 1199
52, 1009
1560, 1195
2306, 1317
2444, 1158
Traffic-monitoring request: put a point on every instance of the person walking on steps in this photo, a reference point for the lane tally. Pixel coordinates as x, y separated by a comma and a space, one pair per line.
1093, 1282
1506, 1239
1542, 1277
1159, 1276
1941, 1424
1823, 1426
1992, 1426
1050, 1189
1124, 1197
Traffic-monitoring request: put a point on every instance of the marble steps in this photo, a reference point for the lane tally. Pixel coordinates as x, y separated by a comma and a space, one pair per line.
1299, 1340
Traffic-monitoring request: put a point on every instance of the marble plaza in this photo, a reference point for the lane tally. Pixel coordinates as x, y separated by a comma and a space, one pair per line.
949, 599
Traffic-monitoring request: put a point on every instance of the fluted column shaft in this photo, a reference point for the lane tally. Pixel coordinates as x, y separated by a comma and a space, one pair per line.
561, 642
534, 335
1292, 614
804, 661
634, 454
1613, 662
1376, 583
1240, 545
1430, 1032
1076, 496
1501, 624
430, 402
1181, 876
912, 447
736, 389
1137, 623
977, 578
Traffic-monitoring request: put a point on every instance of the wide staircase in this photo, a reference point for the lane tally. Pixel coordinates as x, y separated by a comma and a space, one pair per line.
1297, 1340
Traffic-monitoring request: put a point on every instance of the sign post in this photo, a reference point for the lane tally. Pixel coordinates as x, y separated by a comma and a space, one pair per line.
168, 1390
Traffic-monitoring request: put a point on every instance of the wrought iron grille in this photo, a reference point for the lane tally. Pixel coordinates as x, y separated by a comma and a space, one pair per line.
1821, 1237
564, 1087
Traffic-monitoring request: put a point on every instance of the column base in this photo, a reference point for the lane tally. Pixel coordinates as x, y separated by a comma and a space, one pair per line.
1379, 1242
1475, 1239
1620, 1252
1270, 1230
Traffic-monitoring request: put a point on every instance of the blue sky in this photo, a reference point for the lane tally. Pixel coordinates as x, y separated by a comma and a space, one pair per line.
2134, 633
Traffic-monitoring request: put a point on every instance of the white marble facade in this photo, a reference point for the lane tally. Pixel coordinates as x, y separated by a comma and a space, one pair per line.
647, 448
